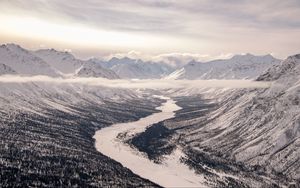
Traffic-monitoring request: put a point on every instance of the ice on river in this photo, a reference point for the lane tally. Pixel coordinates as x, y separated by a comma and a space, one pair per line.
171, 173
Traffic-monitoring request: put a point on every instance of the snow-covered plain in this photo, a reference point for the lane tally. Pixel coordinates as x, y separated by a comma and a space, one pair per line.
171, 173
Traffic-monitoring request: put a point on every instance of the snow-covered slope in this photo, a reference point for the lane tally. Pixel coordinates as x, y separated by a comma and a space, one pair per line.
67, 64
91, 69
238, 67
47, 129
133, 68
270, 120
176, 74
4, 69
288, 69
64, 62
116, 61
24, 62
258, 127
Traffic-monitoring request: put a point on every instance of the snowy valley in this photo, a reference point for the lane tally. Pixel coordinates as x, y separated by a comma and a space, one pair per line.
67, 134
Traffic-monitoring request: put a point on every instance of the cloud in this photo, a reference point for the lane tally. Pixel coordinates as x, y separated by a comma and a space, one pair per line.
139, 84
166, 15
194, 26
169, 15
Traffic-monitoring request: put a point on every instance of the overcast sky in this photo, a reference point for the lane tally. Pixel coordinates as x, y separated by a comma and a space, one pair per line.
203, 27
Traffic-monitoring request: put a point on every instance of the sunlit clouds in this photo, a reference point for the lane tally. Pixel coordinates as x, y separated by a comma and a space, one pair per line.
74, 34
200, 27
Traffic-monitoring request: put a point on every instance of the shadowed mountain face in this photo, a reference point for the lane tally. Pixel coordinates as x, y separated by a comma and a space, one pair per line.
4, 69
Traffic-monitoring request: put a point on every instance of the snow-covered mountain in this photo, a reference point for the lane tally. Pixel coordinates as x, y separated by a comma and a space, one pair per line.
264, 125
55, 63
63, 62
67, 64
235, 137
175, 60
91, 69
24, 62
4, 69
135, 68
47, 129
17, 60
238, 67
288, 69
257, 127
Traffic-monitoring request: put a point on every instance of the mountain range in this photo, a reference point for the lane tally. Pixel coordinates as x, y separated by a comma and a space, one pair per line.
66, 64
259, 128
24, 62
246, 66
135, 68
234, 137
50, 62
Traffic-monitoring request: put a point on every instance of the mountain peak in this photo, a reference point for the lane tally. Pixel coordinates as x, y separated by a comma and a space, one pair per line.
248, 55
12, 47
53, 51
114, 59
243, 56
251, 57
243, 66
289, 67
126, 58
122, 59
23, 61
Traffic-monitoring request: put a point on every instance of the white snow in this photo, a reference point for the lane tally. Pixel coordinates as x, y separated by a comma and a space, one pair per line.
61, 61
238, 67
171, 173
91, 69
175, 75
134, 68
24, 62
68, 65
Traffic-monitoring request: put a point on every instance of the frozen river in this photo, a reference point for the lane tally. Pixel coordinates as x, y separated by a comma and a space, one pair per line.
171, 173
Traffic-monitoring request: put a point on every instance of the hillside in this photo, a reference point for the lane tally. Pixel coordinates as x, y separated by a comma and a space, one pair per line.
238, 67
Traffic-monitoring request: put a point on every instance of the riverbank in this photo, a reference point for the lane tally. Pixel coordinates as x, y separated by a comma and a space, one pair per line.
170, 173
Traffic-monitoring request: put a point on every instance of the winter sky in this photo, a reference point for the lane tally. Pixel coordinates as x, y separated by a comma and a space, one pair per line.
203, 28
